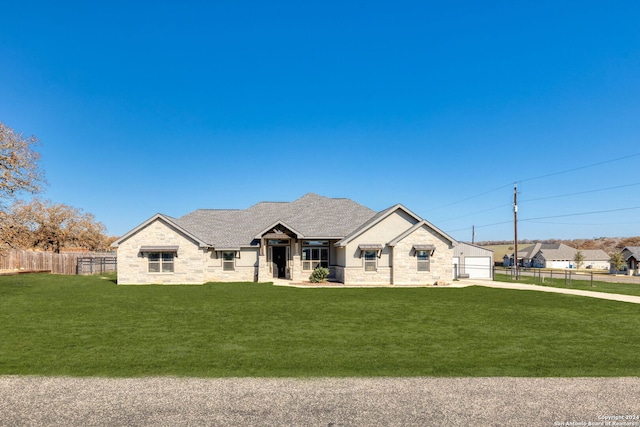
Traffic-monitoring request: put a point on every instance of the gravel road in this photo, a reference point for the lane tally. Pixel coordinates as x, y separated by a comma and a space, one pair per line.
37, 401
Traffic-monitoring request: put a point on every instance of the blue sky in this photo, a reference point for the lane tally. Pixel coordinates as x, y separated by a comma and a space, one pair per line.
146, 107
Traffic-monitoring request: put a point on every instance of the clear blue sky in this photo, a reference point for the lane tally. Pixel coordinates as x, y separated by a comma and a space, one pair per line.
146, 107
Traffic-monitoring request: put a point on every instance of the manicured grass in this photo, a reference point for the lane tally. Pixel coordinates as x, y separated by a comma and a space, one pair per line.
88, 326
577, 282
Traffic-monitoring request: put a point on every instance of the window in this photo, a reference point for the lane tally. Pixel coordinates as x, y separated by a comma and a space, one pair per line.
314, 255
279, 242
228, 261
423, 260
370, 260
161, 262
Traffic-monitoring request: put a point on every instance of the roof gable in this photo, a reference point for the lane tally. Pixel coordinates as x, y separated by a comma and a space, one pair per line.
631, 251
380, 216
160, 217
274, 230
427, 224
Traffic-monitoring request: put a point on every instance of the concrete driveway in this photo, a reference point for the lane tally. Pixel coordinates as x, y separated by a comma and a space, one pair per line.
526, 287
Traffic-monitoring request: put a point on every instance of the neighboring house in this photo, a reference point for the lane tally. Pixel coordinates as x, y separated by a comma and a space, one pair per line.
287, 240
559, 255
596, 259
631, 255
472, 261
525, 256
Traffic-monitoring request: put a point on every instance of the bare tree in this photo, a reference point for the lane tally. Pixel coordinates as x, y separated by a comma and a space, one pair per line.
19, 169
51, 227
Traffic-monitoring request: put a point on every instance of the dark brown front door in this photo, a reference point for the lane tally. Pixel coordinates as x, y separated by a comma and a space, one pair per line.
280, 262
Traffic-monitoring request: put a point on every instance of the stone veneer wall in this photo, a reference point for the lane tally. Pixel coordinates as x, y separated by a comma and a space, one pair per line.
263, 270
245, 269
357, 276
405, 262
133, 268
296, 269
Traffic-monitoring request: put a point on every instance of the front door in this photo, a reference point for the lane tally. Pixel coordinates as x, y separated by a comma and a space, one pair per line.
279, 262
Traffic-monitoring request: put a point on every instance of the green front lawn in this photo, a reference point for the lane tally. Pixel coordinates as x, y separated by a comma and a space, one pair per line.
88, 326
581, 282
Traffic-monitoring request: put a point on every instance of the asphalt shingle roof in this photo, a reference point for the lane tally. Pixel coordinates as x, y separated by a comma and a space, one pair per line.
311, 215
632, 251
595, 255
559, 251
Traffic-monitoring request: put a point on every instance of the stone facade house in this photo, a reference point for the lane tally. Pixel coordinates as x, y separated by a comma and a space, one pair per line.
287, 240
525, 256
559, 255
631, 255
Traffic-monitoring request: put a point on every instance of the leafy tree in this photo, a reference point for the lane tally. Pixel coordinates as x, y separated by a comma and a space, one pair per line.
19, 169
579, 259
617, 261
51, 227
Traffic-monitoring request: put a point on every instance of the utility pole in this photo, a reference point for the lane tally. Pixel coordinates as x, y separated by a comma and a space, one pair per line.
473, 234
515, 228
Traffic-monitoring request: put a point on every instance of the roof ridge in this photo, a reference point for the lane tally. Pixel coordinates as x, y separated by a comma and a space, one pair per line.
215, 209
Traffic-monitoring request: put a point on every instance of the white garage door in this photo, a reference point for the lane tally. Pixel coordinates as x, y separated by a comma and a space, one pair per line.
478, 267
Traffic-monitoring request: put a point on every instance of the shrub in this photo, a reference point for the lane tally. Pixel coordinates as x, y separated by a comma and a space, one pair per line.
320, 274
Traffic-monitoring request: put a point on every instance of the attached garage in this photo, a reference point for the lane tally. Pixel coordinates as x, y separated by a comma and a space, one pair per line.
472, 262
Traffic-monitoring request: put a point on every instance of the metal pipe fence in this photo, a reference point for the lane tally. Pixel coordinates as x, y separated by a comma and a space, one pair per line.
543, 277
21, 261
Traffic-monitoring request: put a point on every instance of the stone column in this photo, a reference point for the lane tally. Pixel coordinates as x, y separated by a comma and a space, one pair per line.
263, 269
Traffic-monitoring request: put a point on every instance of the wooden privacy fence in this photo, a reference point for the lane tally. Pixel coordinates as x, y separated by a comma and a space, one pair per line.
64, 263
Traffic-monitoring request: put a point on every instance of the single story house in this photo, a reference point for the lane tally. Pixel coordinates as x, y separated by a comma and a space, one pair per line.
287, 240
631, 255
472, 261
525, 256
559, 255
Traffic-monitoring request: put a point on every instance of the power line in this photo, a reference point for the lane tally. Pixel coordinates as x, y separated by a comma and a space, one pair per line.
480, 226
469, 198
535, 178
474, 213
547, 217
585, 223
581, 192
581, 167
544, 198
582, 213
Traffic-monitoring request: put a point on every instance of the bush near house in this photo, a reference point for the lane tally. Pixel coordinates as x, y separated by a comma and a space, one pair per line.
319, 275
